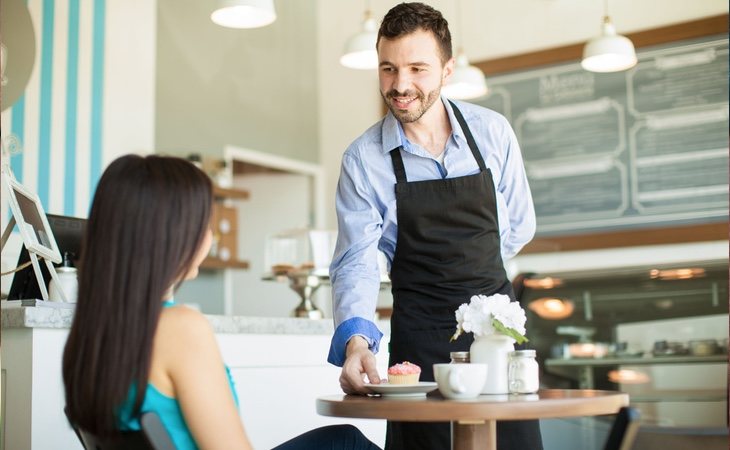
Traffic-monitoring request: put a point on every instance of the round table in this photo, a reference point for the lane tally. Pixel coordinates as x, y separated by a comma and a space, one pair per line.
474, 421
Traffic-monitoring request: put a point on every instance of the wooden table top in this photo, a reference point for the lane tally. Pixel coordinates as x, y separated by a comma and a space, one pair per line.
434, 407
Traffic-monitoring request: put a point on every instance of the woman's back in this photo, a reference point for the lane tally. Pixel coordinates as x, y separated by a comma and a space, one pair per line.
171, 344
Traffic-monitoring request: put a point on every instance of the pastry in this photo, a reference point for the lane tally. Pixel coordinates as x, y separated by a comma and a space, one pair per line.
281, 269
404, 373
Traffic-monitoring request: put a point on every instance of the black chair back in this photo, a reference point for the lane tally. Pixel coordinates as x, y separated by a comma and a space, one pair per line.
152, 436
624, 429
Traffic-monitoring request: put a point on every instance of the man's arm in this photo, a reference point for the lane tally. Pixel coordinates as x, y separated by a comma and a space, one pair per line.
355, 278
515, 191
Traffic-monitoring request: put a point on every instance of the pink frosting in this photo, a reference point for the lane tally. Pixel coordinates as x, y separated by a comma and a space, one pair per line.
404, 368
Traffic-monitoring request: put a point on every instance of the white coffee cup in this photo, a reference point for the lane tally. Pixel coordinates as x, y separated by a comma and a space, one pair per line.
457, 381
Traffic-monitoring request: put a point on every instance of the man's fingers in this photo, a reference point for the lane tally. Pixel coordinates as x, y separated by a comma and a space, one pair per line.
345, 384
359, 366
371, 370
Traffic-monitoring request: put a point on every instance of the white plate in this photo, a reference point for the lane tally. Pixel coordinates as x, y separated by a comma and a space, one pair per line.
403, 390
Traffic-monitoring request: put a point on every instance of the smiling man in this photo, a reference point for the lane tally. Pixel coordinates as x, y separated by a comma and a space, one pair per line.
439, 187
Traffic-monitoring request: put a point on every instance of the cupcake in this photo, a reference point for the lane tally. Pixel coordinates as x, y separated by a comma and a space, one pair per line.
404, 373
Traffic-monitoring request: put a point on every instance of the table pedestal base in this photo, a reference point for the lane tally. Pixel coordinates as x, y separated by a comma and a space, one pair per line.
470, 434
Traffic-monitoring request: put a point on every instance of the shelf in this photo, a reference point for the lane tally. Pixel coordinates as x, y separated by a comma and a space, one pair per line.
230, 193
586, 362
215, 263
679, 396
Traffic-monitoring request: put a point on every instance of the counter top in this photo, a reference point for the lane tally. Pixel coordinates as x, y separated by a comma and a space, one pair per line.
54, 317
643, 361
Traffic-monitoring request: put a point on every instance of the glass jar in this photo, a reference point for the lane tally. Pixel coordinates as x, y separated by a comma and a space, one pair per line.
523, 372
459, 357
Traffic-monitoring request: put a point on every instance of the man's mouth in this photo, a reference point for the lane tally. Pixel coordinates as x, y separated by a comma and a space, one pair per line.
403, 102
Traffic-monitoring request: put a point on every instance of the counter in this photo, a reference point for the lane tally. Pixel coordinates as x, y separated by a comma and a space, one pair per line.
61, 317
278, 365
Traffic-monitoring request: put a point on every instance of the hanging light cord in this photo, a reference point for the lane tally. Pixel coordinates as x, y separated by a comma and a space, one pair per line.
460, 47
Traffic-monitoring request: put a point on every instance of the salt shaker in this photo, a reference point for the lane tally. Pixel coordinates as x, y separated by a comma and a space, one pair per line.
459, 357
523, 372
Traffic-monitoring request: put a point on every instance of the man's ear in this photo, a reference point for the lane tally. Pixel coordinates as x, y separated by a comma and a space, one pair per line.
447, 71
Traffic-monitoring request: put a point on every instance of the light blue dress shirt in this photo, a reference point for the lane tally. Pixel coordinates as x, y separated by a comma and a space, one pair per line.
366, 207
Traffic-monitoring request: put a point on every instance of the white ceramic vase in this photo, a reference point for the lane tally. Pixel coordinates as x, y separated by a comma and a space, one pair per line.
493, 350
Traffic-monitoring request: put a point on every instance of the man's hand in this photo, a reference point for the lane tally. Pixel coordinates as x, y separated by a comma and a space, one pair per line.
359, 362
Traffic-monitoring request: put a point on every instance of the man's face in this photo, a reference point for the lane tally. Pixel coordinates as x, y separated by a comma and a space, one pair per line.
411, 74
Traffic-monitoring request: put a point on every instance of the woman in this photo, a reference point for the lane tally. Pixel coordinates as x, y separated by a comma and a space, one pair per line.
130, 348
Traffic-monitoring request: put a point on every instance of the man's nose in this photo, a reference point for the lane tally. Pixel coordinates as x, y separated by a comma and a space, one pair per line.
401, 82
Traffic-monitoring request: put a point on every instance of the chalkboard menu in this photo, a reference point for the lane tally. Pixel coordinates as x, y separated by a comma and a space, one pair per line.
640, 148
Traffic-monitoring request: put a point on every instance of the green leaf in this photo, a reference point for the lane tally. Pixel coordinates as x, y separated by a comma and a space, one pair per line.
511, 332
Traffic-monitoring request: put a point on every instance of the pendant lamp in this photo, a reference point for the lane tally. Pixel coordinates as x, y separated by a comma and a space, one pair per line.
360, 51
609, 52
244, 13
467, 81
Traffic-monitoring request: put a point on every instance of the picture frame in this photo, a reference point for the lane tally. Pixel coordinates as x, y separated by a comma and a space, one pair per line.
31, 220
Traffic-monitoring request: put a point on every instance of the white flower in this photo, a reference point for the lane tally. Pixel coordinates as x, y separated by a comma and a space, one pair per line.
487, 315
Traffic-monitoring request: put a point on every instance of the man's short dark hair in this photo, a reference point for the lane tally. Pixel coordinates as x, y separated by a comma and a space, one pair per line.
407, 18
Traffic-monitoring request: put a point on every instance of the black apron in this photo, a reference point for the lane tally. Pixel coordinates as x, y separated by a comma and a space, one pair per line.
447, 249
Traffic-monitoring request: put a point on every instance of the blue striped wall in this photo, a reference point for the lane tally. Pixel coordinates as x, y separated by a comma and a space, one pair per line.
58, 120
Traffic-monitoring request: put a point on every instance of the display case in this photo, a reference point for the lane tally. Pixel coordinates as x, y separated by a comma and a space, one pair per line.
659, 333
301, 257
303, 249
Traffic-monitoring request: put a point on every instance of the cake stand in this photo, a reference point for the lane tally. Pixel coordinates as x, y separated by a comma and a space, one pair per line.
304, 282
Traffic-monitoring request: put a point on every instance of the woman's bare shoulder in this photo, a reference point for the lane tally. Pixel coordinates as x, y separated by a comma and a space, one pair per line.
181, 326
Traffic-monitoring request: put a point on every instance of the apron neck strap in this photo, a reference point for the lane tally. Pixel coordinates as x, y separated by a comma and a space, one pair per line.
398, 168
469, 138
395, 154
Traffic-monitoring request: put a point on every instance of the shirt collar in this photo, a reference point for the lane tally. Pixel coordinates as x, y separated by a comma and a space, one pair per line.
394, 136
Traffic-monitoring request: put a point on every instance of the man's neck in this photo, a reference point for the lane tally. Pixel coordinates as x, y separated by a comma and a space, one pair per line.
431, 131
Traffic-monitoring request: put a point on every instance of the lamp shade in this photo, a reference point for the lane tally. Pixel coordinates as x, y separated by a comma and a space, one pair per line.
552, 308
609, 52
244, 13
360, 52
466, 82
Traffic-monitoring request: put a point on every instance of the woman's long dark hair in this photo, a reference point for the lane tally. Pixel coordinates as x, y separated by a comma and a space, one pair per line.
148, 218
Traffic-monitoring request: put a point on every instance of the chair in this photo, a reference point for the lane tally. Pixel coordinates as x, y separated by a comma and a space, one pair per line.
623, 431
152, 436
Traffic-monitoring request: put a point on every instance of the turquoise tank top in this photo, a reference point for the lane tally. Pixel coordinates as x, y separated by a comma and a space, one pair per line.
167, 408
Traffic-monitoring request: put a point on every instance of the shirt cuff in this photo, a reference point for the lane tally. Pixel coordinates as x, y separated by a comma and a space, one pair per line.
355, 326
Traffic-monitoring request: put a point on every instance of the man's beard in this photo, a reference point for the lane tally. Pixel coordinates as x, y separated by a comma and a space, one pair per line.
424, 102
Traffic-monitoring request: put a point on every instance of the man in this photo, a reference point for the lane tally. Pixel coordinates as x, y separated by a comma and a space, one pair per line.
441, 190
